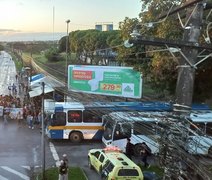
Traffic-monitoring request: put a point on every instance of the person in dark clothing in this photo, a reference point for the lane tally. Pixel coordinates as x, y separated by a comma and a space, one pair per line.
63, 170
129, 149
145, 152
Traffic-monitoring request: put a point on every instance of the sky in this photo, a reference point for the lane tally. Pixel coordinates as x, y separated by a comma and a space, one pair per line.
18, 17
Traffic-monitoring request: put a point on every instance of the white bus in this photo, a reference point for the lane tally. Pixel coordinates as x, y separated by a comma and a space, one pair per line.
138, 126
146, 127
201, 133
77, 121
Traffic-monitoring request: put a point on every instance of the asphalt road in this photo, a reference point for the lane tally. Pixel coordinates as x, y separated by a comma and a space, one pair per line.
21, 154
7, 73
20, 148
78, 154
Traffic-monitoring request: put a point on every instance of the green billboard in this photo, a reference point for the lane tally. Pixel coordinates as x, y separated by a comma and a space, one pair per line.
105, 80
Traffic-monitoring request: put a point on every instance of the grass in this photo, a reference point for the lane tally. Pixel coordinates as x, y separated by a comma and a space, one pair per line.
153, 168
75, 173
18, 62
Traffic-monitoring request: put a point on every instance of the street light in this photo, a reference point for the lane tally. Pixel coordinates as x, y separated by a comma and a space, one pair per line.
43, 131
66, 67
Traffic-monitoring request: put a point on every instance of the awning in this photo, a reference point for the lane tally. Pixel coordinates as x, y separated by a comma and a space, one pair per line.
47, 80
37, 82
36, 77
37, 91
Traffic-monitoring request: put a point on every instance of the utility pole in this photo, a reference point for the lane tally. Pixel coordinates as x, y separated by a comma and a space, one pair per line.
186, 73
66, 66
176, 137
43, 133
173, 150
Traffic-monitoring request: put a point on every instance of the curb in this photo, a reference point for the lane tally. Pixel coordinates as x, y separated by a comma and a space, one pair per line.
84, 174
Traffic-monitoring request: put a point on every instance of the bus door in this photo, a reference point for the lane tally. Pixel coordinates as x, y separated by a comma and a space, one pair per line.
122, 131
55, 129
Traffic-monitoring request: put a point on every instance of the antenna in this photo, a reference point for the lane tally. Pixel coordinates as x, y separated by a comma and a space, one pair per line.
53, 25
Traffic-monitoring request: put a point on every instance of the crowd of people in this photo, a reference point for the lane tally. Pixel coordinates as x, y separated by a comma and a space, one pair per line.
20, 108
10, 101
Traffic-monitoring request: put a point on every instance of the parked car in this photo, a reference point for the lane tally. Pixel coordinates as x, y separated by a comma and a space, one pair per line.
112, 163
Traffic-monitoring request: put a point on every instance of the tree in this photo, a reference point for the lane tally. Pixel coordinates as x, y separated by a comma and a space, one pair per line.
53, 55
159, 67
93, 44
62, 44
1, 47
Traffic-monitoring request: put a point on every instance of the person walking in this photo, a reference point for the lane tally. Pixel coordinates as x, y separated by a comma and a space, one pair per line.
63, 170
5, 118
145, 152
19, 119
129, 149
30, 121
65, 158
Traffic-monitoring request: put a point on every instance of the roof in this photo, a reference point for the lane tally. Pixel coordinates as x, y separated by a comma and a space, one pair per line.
201, 116
36, 77
68, 105
137, 116
196, 116
117, 158
37, 91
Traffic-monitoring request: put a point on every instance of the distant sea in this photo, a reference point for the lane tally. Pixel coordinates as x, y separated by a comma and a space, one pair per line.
31, 37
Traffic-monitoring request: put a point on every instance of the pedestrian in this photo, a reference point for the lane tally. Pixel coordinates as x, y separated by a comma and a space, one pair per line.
63, 170
145, 152
129, 149
16, 77
5, 118
19, 118
65, 158
30, 121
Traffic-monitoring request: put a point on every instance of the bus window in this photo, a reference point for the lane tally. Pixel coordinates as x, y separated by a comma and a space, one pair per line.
75, 116
91, 116
59, 119
108, 130
145, 128
122, 131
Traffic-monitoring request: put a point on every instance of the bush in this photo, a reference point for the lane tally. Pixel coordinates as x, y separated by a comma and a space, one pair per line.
53, 55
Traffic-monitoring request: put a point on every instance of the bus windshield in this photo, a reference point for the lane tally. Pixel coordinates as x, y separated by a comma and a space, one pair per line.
108, 131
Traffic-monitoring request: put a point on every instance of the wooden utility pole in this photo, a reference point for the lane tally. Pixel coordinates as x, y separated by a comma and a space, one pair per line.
186, 73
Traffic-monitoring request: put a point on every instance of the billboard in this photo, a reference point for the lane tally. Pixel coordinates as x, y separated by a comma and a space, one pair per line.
105, 80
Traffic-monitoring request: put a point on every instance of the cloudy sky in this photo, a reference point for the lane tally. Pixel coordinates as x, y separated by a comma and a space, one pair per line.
29, 16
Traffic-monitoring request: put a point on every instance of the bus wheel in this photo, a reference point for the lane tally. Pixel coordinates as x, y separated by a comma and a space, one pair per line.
137, 150
210, 152
76, 137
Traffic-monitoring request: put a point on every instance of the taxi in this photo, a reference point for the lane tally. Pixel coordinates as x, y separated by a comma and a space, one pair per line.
111, 163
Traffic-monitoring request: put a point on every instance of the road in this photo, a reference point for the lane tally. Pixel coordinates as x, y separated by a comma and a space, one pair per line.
7, 73
78, 154
20, 152
20, 148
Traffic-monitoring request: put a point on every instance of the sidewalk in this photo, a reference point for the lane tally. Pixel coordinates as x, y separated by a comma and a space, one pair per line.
22, 91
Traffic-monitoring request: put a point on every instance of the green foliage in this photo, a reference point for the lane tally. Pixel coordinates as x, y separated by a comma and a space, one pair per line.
154, 168
53, 55
32, 48
1, 47
62, 44
74, 173
203, 85
91, 43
